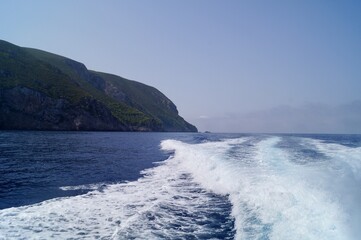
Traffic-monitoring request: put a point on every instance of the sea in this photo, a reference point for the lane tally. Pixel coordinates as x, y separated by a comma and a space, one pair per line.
113, 185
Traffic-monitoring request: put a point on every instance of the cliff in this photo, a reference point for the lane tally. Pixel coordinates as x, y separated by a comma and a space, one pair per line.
45, 91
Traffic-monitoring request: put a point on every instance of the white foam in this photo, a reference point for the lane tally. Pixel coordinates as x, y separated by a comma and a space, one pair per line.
97, 186
340, 154
271, 196
152, 207
343, 177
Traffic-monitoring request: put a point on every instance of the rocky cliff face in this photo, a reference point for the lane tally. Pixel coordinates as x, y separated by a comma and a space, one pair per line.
44, 91
83, 73
26, 109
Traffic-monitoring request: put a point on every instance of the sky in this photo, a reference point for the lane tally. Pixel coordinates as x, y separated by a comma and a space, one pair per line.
229, 66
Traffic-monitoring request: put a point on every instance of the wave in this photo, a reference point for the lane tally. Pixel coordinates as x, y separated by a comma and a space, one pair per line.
242, 188
272, 197
98, 186
163, 204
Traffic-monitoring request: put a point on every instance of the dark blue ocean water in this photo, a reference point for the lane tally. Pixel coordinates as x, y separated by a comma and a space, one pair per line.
105, 185
33, 165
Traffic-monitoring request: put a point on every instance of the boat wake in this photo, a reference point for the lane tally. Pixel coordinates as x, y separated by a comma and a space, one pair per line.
256, 187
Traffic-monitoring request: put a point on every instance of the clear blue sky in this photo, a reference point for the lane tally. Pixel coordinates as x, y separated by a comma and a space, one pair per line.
221, 62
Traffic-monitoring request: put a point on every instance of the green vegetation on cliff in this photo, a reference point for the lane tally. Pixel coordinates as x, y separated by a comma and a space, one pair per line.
89, 100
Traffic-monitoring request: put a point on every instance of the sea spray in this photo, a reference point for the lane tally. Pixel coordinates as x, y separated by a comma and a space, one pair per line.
271, 196
343, 169
164, 203
244, 188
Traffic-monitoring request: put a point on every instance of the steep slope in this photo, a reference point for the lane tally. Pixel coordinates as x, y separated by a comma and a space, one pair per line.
44, 91
146, 99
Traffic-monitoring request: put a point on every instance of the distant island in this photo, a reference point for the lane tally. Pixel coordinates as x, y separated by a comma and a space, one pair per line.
44, 91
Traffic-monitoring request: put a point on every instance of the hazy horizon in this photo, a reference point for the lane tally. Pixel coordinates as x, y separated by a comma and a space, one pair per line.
229, 66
